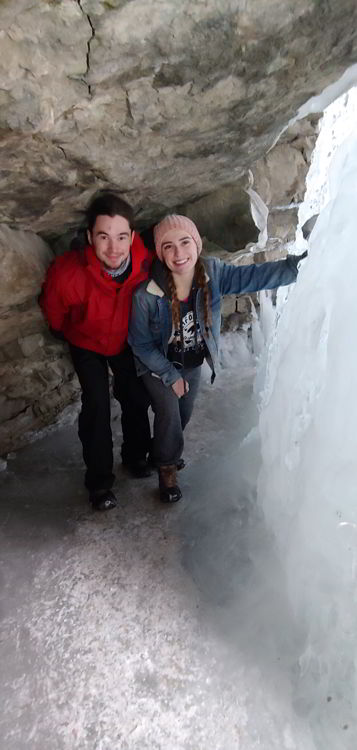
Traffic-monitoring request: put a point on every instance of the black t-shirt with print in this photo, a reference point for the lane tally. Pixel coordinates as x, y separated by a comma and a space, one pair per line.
194, 347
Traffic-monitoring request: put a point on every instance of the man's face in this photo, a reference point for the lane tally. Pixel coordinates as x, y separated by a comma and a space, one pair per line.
111, 239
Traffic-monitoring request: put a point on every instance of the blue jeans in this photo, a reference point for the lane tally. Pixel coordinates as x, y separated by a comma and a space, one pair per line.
171, 415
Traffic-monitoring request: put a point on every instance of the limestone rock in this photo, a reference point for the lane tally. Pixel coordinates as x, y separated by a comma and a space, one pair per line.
281, 173
36, 377
20, 321
33, 392
24, 258
167, 101
29, 345
224, 217
282, 223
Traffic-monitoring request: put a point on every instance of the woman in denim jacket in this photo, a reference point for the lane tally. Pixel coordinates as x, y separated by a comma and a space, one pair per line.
175, 325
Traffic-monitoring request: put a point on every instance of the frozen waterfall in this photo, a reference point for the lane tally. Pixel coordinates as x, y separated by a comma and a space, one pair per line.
307, 485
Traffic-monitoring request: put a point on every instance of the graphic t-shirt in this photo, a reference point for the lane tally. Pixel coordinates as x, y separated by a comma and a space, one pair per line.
194, 347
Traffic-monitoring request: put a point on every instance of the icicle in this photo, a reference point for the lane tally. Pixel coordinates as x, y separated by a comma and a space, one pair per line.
260, 212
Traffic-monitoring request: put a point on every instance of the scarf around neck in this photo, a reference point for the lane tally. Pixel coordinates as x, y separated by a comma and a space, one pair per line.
114, 272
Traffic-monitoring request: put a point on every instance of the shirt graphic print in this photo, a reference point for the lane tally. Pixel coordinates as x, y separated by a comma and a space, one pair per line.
194, 347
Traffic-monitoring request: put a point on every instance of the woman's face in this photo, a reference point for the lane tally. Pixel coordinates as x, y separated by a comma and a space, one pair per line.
179, 251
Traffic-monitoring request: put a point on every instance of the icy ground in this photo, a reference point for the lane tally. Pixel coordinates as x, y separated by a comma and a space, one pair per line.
146, 627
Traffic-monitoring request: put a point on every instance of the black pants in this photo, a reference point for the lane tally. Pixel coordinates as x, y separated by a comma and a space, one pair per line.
94, 420
172, 414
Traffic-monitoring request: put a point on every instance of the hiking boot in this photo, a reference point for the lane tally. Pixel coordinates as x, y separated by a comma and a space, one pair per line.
169, 489
180, 464
138, 469
102, 499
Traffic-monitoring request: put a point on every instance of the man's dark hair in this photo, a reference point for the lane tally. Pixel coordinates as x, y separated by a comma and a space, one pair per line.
108, 204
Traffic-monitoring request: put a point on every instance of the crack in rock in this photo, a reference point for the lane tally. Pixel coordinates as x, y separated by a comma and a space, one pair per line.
128, 106
89, 42
63, 151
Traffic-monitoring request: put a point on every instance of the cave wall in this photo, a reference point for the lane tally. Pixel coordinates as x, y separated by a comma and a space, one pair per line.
224, 215
168, 102
165, 100
36, 377
37, 380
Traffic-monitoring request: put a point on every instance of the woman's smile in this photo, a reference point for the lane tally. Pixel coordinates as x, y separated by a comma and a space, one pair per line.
181, 262
179, 251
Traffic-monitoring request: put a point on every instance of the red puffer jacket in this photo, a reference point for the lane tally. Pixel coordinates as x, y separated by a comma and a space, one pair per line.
90, 308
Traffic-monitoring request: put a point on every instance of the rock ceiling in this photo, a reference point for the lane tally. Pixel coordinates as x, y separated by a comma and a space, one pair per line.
165, 100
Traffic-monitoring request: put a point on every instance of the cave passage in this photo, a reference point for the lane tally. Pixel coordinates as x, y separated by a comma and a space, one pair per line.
229, 620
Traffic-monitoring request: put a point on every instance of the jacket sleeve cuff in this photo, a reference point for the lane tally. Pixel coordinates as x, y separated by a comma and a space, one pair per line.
170, 377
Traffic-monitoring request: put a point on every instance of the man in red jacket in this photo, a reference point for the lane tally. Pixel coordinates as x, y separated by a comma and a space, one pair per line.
86, 299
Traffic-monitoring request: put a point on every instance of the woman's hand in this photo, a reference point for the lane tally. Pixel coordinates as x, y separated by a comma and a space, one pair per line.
180, 387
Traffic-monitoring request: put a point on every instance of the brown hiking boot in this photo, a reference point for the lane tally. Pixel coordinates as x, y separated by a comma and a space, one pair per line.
169, 489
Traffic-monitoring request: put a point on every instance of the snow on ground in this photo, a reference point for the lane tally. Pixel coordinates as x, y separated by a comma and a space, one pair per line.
146, 627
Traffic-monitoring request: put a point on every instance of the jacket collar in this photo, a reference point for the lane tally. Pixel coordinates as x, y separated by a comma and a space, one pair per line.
158, 282
153, 288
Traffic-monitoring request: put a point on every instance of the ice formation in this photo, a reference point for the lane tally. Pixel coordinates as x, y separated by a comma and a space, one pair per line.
308, 425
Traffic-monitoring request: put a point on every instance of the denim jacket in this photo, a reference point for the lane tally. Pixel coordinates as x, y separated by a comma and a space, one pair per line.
150, 329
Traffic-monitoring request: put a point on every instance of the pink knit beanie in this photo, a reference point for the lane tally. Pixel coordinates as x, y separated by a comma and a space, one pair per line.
175, 221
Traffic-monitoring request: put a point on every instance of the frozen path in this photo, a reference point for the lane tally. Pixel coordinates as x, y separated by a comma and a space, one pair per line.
122, 630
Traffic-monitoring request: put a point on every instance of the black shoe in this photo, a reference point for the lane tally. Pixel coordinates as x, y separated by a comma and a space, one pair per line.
170, 494
102, 500
169, 489
138, 469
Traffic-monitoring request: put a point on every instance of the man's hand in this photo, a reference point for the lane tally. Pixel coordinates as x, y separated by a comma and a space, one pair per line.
180, 387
